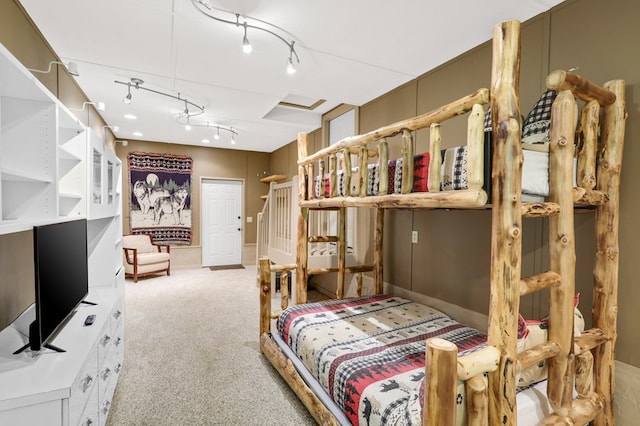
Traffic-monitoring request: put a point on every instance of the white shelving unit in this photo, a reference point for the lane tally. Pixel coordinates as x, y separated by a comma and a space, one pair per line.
53, 169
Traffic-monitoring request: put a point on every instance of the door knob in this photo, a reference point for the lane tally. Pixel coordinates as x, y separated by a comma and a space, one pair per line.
238, 229
239, 217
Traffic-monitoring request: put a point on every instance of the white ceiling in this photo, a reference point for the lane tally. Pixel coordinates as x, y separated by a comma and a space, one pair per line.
350, 52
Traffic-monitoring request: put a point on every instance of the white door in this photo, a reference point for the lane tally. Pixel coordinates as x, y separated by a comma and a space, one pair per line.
221, 222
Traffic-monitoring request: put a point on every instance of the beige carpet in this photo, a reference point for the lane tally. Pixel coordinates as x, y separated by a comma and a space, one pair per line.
192, 355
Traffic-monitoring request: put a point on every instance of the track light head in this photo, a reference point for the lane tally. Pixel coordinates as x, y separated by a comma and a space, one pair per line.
127, 99
291, 69
246, 46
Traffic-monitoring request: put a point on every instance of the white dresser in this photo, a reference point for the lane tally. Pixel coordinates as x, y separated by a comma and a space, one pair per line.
69, 388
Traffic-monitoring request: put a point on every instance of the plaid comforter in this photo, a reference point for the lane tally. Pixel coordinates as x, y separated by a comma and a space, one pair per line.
369, 353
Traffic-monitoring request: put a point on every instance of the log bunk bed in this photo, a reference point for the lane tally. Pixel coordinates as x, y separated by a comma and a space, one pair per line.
580, 377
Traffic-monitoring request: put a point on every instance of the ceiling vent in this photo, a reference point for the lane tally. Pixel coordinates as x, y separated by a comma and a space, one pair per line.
301, 102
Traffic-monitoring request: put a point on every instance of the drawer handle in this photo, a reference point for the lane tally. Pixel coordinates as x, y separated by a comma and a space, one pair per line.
88, 422
105, 407
105, 373
105, 339
86, 383
117, 314
118, 368
117, 341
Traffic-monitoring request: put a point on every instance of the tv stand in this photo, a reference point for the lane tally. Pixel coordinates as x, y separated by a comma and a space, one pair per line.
65, 389
46, 345
21, 349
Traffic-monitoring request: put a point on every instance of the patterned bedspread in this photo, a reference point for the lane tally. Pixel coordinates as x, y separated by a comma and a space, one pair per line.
369, 353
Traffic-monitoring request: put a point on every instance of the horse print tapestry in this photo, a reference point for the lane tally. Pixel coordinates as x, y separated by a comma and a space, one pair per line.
160, 196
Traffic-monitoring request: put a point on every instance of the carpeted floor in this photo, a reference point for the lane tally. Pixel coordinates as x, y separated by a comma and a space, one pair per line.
192, 355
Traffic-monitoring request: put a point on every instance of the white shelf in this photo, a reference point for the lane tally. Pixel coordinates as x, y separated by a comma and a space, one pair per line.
47, 176
22, 176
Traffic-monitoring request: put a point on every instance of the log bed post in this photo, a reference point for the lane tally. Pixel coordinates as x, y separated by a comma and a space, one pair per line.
378, 257
605, 273
440, 383
587, 141
506, 238
265, 297
562, 255
303, 226
341, 249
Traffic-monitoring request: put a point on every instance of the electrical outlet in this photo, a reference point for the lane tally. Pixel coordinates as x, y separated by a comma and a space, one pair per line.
249, 219
414, 237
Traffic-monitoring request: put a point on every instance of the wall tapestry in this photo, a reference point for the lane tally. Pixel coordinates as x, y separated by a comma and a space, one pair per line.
160, 196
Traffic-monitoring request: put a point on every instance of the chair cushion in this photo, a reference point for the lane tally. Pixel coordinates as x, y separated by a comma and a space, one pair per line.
140, 242
150, 258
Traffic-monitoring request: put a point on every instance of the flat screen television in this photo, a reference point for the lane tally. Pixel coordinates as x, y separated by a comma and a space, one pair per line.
61, 278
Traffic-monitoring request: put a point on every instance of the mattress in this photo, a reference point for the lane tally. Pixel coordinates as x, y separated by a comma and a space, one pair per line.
366, 357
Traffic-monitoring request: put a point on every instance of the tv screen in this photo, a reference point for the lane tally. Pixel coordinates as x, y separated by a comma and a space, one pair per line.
61, 277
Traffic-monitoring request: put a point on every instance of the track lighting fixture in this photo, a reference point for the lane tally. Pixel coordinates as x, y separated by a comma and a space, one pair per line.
189, 124
205, 7
72, 67
136, 83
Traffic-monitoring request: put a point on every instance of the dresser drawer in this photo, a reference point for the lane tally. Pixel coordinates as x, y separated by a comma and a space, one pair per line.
82, 386
90, 415
117, 313
105, 400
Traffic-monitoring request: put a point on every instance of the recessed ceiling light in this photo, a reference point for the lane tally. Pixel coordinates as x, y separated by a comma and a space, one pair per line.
205, 141
137, 134
130, 116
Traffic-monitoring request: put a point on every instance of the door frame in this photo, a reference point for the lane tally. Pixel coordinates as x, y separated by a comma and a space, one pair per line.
242, 212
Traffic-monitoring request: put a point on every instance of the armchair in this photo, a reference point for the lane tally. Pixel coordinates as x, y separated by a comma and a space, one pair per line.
143, 257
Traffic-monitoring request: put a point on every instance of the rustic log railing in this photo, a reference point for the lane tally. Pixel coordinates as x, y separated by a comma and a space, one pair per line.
586, 361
